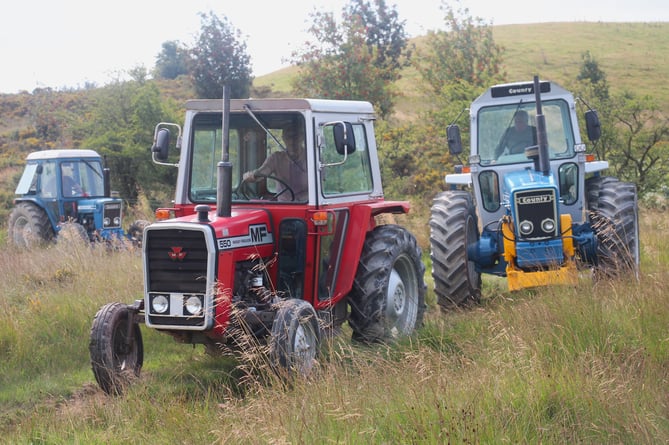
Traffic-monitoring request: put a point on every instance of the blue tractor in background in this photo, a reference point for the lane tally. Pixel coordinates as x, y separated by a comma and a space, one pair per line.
66, 194
531, 205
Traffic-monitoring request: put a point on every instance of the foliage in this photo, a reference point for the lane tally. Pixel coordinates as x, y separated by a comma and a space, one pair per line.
172, 61
219, 58
642, 154
635, 132
464, 53
454, 66
359, 58
119, 128
385, 34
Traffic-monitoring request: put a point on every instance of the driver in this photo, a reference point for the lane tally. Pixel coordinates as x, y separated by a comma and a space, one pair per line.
288, 166
518, 137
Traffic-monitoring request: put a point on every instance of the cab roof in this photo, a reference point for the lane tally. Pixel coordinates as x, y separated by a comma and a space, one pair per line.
62, 153
275, 104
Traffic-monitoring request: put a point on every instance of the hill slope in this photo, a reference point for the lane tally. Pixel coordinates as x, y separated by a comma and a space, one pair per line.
634, 56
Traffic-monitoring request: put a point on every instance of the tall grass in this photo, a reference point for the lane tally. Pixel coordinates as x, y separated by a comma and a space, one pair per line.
586, 364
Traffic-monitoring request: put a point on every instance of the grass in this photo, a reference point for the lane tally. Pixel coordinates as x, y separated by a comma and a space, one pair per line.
552, 365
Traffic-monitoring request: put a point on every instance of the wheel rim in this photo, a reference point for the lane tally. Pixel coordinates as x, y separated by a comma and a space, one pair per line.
401, 307
305, 349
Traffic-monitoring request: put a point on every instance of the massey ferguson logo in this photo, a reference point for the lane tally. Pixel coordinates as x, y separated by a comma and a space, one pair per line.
177, 254
538, 199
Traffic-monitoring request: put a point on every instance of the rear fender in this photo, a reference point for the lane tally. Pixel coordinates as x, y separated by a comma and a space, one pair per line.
361, 222
40, 203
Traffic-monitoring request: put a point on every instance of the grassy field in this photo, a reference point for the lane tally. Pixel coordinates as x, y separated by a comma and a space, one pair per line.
587, 364
554, 365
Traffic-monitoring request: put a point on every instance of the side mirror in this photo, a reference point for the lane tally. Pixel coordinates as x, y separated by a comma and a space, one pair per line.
161, 144
592, 125
344, 138
454, 139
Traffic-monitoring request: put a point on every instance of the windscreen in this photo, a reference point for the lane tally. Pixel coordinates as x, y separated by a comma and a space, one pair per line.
268, 158
505, 131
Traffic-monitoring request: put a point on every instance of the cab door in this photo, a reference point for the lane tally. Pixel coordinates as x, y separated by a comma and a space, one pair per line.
344, 179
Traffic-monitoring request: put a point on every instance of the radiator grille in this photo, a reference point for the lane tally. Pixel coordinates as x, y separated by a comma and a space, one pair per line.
176, 261
535, 208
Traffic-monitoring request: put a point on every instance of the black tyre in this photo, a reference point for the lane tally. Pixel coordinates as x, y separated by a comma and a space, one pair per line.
136, 231
614, 217
592, 187
296, 337
73, 234
116, 362
29, 226
453, 227
388, 296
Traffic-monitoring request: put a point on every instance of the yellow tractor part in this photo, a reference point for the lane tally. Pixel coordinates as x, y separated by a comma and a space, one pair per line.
560, 274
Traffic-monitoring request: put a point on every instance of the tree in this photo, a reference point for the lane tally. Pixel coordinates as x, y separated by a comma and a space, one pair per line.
385, 34
592, 73
172, 61
635, 134
455, 65
642, 154
219, 58
120, 127
460, 59
358, 58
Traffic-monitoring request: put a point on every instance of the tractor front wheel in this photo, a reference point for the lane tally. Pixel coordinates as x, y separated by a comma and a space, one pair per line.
453, 227
116, 348
296, 337
73, 234
136, 231
388, 296
29, 226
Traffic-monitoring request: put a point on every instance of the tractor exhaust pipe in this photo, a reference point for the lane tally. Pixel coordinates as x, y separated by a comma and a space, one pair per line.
224, 185
106, 175
542, 163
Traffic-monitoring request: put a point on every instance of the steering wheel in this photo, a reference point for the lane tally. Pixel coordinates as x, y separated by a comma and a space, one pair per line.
244, 190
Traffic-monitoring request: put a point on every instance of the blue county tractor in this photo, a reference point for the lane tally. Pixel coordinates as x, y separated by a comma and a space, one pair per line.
65, 194
532, 205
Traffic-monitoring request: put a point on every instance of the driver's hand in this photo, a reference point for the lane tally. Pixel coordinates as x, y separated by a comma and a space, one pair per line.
248, 176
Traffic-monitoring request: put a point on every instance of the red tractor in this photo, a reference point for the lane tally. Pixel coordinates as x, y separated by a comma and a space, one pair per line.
273, 233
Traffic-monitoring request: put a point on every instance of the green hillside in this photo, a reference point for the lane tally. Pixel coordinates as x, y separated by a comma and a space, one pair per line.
635, 57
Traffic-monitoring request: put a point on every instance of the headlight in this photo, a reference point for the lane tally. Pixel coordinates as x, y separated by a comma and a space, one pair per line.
193, 306
160, 304
117, 221
106, 222
548, 225
526, 227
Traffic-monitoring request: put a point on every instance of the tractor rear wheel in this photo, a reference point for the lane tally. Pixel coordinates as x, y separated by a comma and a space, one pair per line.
614, 216
453, 227
295, 337
116, 360
388, 296
29, 226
